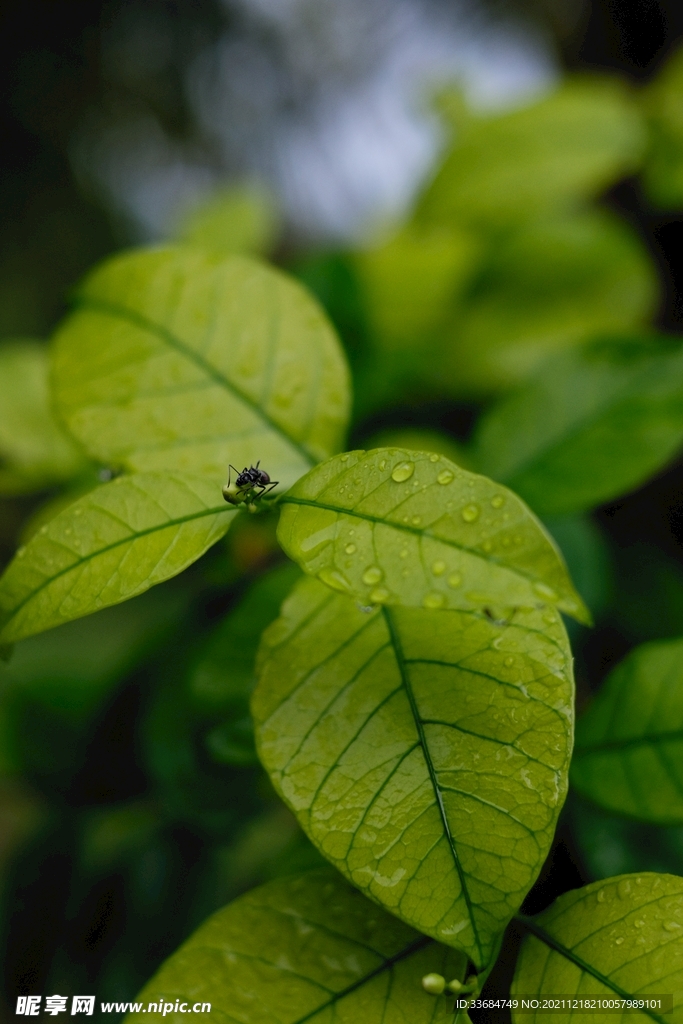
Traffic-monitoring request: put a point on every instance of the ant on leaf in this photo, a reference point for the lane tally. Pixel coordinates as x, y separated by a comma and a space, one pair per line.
250, 485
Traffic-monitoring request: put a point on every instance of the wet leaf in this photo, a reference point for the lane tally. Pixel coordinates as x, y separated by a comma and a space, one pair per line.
424, 753
35, 453
305, 949
629, 743
622, 937
545, 288
591, 425
111, 544
187, 360
394, 526
565, 148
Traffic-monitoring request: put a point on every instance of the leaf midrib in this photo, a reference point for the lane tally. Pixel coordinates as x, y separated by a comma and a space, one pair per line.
368, 517
405, 679
170, 339
387, 964
110, 547
629, 741
594, 416
530, 925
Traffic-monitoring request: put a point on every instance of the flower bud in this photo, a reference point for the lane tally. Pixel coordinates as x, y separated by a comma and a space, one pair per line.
434, 983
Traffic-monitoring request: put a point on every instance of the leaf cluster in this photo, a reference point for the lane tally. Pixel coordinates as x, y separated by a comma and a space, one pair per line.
412, 700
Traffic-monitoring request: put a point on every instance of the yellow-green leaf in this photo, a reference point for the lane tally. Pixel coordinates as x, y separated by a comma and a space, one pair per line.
235, 219
620, 938
424, 753
565, 148
394, 526
304, 949
629, 743
411, 282
111, 544
546, 287
35, 452
663, 105
184, 359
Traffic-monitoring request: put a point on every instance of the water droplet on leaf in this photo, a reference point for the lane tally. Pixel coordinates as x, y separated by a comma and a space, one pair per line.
438, 568
416, 520
372, 575
434, 600
470, 513
454, 580
444, 477
350, 548
403, 472
543, 590
497, 500
433, 457
379, 595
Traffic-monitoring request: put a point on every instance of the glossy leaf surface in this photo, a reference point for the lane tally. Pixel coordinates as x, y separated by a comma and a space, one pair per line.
425, 753
393, 526
200, 360
591, 425
620, 937
549, 155
111, 544
306, 949
35, 452
544, 288
629, 743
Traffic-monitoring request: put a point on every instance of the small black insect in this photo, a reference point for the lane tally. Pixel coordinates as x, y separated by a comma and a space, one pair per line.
252, 483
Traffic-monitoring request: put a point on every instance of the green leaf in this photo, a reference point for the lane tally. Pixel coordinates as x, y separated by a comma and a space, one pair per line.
629, 743
187, 360
569, 146
113, 543
622, 937
305, 949
663, 106
35, 453
545, 288
394, 526
72, 668
412, 282
609, 844
591, 425
241, 219
425, 753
